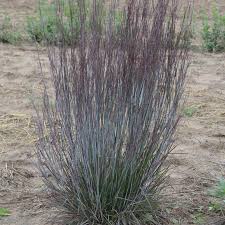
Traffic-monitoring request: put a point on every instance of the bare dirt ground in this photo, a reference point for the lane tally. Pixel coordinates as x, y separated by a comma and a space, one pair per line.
196, 164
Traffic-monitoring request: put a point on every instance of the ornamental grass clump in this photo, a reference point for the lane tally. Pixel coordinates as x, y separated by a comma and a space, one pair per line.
106, 131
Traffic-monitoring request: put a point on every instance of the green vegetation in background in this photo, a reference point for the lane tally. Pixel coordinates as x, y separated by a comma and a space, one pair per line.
47, 24
4, 212
198, 218
213, 34
8, 33
190, 111
219, 193
44, 25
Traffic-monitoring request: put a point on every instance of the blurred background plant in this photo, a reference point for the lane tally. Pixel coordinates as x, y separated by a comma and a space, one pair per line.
213, 33
4, 212
8, 32
218, 192
46, 24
